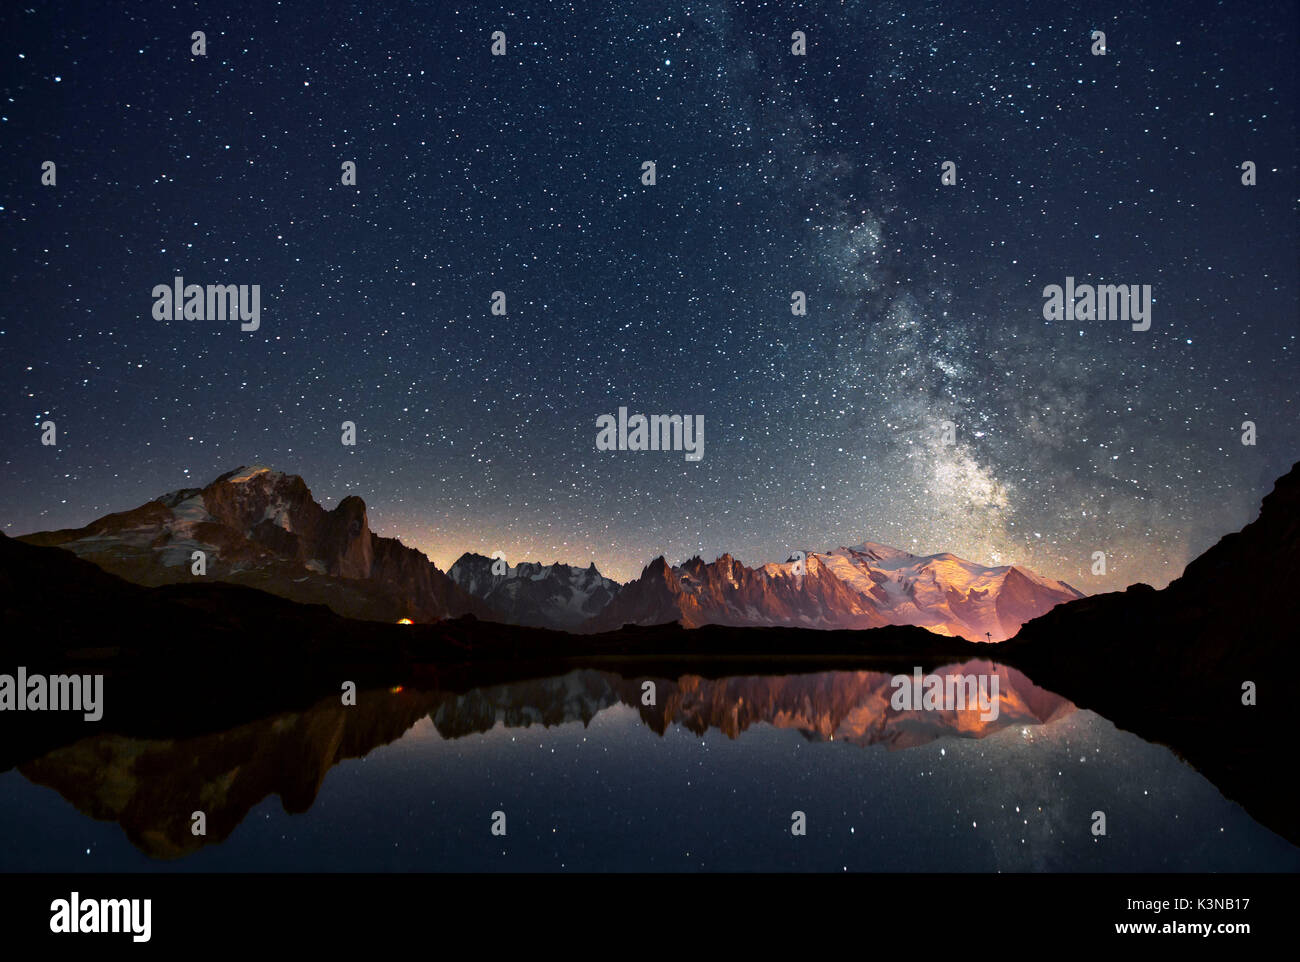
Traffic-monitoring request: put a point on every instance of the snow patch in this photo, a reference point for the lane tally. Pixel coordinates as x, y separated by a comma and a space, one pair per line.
192, 509
247, 472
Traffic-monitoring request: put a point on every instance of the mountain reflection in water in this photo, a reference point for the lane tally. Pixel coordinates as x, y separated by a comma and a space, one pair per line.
590, 777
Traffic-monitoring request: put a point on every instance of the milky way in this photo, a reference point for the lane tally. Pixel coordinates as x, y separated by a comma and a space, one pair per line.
776, 173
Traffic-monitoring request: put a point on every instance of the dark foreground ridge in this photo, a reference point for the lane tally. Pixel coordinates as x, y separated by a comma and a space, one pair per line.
1170, 665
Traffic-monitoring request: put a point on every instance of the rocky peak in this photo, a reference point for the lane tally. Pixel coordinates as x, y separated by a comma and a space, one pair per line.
263, 528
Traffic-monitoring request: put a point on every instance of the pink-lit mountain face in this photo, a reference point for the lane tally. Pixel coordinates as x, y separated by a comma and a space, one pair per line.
867, 586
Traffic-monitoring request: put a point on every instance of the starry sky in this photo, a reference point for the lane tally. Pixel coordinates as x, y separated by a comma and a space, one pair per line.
775, 173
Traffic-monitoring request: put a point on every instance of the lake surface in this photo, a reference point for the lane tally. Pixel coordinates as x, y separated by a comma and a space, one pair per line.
589, 778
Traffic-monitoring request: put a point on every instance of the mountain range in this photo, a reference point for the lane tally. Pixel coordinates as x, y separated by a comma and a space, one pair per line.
263, 528
868, 586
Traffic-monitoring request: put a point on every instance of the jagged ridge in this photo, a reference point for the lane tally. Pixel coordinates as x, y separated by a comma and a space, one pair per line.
547, 596
867, 586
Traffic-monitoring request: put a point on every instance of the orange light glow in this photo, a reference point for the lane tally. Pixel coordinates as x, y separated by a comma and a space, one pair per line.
405, 621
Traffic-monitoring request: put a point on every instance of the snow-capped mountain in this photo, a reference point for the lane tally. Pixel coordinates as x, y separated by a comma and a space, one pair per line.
546, 596
262, 528
866, 586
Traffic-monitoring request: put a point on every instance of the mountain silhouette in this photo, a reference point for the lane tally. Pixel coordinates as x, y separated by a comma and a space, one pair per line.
1180, 665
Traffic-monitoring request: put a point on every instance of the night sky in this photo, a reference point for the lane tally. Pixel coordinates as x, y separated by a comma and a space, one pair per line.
775, 173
